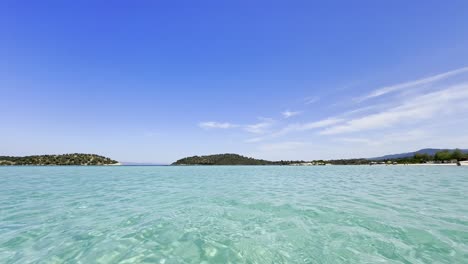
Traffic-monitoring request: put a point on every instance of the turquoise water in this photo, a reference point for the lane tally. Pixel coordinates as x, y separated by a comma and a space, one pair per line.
329, 214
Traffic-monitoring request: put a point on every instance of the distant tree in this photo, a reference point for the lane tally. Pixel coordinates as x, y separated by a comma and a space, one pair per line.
421, 157
443, 155
457, 154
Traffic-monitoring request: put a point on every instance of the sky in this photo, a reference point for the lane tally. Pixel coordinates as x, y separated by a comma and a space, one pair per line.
155, 81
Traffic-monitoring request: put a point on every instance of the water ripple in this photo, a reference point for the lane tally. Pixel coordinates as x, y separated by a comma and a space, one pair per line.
269, 214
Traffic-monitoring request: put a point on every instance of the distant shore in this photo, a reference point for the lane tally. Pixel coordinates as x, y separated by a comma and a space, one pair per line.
114, 164
462, 163
72, 159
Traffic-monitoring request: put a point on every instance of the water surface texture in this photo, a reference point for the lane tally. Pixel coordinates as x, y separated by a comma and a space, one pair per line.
238, 214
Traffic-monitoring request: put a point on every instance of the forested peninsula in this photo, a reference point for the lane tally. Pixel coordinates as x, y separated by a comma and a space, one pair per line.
77, 159
228, 159
424, 156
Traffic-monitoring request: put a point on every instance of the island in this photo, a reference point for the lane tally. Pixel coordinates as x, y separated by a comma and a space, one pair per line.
76, 159
228, 159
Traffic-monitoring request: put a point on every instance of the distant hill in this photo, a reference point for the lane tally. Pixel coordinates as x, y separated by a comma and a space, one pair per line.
222, 159
64, 159
428, 151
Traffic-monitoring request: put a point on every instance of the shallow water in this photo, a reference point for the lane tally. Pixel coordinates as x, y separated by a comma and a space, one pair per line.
238, 214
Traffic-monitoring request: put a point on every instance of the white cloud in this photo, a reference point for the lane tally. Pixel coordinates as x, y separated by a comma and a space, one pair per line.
365, 109
443, 102
399, 141
282, 146
260, 128
310, 125
387, 138
288, 114
298, 127
311, 99
221, 125
401, 86
414, 115
255, 139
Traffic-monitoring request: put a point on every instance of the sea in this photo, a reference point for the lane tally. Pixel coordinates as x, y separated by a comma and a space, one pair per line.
234, 214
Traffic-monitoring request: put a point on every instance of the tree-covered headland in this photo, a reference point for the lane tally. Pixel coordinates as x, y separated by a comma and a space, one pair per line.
64, 159
228, 159
443, 156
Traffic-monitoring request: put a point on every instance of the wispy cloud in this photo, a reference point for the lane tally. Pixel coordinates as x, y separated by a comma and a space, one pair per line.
366, 109
403, 111
310, 125
282, 146
255, 139
261, 127
298, 127
288, 114
401, 86
387, 138
311, 99
220, 125
410, 116
448, 101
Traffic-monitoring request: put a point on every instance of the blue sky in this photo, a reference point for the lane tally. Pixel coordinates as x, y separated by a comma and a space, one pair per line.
154, 81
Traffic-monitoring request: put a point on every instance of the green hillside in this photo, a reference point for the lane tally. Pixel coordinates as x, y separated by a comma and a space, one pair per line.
64, 159
221, 159
229, 159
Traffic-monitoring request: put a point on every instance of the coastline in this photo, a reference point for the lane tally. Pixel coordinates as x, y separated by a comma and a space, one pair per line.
462, 163
114, 164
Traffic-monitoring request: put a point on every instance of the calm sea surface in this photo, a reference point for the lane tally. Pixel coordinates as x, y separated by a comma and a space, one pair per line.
234, 214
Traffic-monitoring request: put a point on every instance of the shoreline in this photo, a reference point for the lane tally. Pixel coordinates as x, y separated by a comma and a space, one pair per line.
462, 163
114, 164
